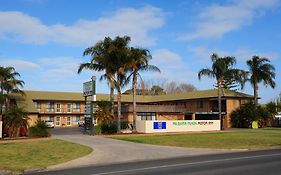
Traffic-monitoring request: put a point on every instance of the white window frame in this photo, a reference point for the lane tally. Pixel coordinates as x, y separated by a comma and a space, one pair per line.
58, 107
68, 120
69, 108
58, 122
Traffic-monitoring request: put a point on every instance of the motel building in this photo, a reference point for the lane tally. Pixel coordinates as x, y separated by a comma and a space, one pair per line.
162, 113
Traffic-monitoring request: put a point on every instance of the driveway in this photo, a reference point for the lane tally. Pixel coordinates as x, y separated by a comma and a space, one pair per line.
110, 151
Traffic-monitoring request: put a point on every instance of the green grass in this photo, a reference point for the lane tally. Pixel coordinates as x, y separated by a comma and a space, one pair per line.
273, 128
19, 156
220, 140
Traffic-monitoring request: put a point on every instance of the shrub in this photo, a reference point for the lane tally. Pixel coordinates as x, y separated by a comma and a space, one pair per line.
98, 129
124, 125
39, 130
243, 117
109, 127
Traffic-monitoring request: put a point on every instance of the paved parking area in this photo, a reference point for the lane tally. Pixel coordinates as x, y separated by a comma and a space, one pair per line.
109, 151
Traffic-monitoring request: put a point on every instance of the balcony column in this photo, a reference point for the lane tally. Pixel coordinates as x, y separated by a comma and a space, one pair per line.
193, 116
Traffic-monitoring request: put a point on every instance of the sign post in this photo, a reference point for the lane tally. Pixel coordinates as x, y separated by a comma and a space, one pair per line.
89, 89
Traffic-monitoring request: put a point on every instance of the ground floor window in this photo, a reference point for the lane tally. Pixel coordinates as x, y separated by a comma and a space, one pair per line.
57, 121
75, 120
146, 116
68, 119
49, 118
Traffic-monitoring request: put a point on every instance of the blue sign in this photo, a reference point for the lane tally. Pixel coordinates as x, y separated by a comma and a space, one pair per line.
159, 125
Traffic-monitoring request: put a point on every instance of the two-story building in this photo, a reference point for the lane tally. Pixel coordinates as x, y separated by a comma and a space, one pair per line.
67, 108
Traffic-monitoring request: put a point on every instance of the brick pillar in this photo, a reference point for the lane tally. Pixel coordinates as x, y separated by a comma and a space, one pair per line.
193, 116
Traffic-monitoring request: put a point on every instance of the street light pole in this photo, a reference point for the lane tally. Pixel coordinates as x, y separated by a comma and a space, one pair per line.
93, 103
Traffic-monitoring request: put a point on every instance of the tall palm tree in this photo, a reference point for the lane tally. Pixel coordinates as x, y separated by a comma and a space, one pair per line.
139, 62
110, 56
260, 71
221, 69
15, 119
102, 61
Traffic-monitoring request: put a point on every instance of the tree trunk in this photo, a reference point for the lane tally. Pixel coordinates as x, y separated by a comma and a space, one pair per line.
118, 105
219, 104
112, 97
134, 102
256, 94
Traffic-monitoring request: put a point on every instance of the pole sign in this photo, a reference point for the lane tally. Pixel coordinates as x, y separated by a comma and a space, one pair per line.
88, 89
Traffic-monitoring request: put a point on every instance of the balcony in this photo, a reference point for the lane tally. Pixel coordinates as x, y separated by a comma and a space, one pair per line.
155, 108
49, 110
60, 110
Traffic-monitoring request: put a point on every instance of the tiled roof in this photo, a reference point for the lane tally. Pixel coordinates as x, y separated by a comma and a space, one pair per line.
31, 96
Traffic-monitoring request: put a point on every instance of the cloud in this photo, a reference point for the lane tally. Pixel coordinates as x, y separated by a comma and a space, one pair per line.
166, 58
137, 23
217, 20
203, 53
19, 65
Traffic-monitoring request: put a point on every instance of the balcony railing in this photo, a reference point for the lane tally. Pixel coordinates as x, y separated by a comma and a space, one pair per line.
155, 108
59, 110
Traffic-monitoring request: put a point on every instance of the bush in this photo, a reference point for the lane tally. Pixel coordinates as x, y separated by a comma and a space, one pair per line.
39, 130
98, 129
109, 127
243, 117
124, 125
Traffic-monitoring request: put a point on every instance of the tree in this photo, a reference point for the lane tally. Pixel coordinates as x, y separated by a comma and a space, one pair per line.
139, 59
260, 71
15, 119
174, 88
103, 112
8, 84
222, 67
102, 60
157, 90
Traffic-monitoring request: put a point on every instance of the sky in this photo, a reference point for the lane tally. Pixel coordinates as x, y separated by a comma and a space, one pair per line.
44, 39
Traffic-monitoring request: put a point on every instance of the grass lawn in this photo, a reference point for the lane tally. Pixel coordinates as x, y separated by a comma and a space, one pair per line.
219, 140
19, 156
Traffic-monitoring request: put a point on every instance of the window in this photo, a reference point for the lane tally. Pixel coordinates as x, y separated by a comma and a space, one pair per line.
146, 116
68, 119
37, 106
57, 121
49, 118
50, 107
68, 107
199, 104
58, 108
76, 107
75, 120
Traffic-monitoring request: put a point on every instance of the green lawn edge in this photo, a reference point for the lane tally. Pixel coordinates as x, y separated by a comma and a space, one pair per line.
213, 140
38, 154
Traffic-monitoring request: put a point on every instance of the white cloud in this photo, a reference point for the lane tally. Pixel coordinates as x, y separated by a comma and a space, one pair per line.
166, 58
136, 23
19, 65
203, 54
217, 20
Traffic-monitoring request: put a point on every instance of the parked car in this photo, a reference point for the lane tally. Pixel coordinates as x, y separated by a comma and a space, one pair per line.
81, 123
50, 123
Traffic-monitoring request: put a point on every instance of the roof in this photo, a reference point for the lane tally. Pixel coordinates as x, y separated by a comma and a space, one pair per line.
31, 96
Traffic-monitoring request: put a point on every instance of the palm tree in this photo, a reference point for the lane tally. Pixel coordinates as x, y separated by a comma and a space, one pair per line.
103, 113
221, 69
139, 62
101, 61
15, 119
111, 56
260, 71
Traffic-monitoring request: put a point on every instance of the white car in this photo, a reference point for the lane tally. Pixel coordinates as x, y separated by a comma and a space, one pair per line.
81, 123
50, 124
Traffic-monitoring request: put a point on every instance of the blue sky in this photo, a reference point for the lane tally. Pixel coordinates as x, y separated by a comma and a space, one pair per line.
44, 39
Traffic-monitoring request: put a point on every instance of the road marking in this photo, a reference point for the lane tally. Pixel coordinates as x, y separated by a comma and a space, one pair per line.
184, 164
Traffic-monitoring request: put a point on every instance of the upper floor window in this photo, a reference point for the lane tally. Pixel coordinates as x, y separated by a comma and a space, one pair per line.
68, 107
37, 106
200, 104
58, 107
50, 107
76, 107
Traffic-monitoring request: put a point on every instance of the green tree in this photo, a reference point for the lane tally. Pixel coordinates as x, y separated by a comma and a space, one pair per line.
139, 61
15, 119
260, 71
103, 112
157, 90
102, 60
222, 68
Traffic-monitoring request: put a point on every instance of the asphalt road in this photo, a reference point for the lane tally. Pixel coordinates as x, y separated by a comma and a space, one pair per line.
254, 162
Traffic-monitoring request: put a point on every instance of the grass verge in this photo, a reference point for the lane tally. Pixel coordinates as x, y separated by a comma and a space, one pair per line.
35, 154
219, 140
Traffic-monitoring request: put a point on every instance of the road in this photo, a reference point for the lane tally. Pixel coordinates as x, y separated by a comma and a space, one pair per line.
242, 163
